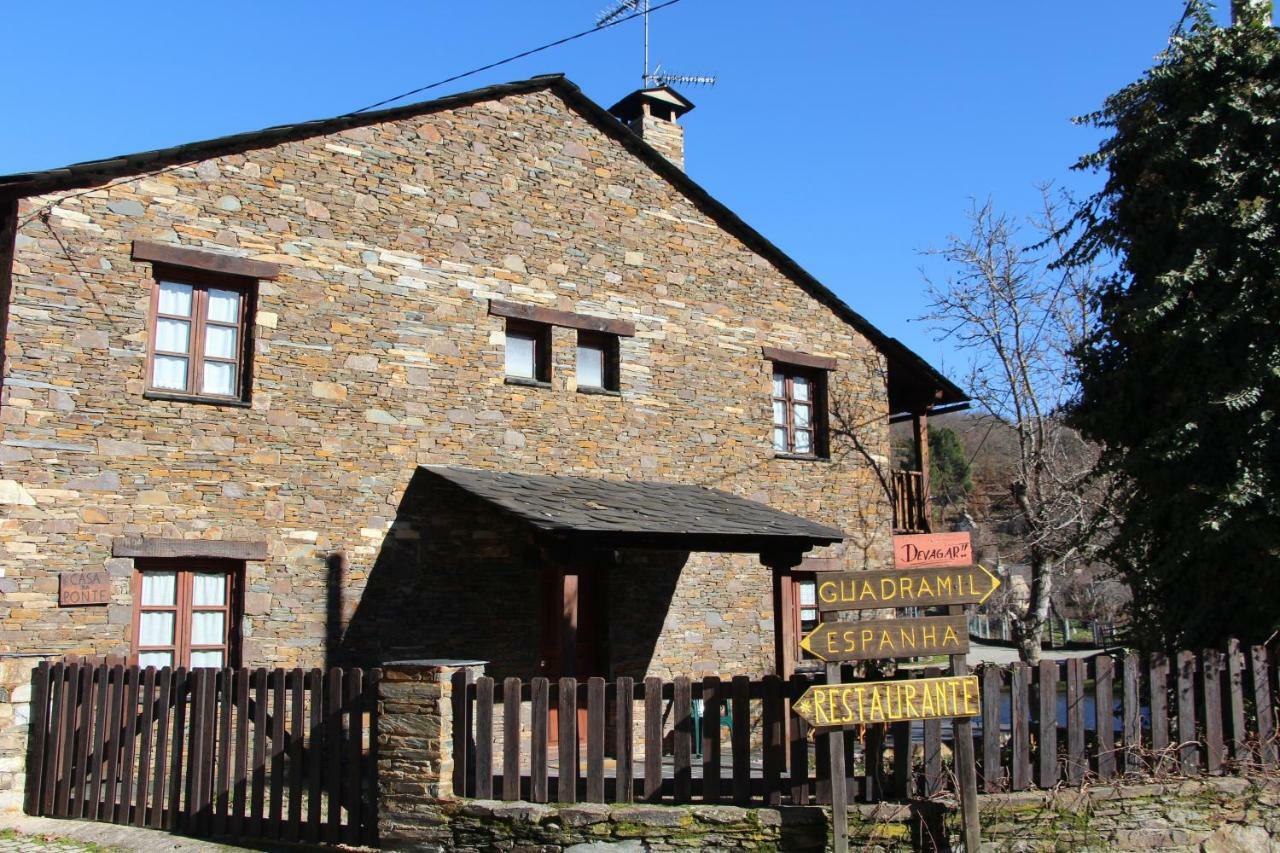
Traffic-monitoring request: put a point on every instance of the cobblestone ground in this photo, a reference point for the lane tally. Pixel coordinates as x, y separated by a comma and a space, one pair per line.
44, 835
12, 842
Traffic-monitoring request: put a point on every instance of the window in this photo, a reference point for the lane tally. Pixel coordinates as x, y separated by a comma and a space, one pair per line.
598, 361
186, 614
804, 595
528, 351
199, 335
799, 411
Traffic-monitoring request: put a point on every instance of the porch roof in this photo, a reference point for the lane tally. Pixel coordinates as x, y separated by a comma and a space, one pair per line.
621, 513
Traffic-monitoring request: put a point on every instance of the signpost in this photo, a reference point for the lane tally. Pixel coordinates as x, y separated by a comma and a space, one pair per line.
931, 570
929, 587
888, 638
889, 701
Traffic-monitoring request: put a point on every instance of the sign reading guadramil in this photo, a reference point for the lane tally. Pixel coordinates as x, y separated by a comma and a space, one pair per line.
932, 549
875, 639
905, 588
826, 705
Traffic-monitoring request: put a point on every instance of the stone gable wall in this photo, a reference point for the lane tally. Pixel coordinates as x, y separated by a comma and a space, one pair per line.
374, 353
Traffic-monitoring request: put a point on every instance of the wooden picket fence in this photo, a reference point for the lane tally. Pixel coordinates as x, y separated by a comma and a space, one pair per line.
626, 741
1212, 712
267, 754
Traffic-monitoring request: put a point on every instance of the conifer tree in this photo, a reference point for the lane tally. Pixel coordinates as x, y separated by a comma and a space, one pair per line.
1181, 385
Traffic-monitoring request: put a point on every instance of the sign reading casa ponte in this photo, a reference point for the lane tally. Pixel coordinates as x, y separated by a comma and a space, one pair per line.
77, 590
889, 701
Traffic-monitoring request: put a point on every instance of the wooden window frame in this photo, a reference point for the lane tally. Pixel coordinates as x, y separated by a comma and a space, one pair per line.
541, 334
183, 609
201, 282
818, 439
797, 624
610, 373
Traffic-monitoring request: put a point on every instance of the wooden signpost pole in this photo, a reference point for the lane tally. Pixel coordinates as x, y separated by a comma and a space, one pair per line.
966, 766
839, 793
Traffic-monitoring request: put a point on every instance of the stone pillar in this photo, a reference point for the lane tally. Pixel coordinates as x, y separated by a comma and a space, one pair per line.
415, 750
15, 724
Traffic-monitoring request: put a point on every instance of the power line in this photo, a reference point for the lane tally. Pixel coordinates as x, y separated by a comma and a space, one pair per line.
604, 26
35, 214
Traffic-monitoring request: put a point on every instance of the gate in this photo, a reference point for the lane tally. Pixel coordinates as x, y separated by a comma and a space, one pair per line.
287, 755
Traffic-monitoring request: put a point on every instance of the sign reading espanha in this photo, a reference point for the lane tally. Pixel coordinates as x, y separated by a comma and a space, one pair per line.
929, 587
82, 588
875, 639
826, 705
932, 549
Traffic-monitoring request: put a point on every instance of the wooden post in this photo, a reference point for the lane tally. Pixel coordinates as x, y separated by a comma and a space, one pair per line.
785, 642
920, 432
965, 765
839, 793
569, 623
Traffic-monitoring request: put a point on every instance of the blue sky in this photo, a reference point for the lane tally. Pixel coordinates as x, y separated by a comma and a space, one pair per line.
852, 134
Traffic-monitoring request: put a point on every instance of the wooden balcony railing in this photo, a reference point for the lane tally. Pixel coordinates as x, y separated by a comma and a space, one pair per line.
910, 515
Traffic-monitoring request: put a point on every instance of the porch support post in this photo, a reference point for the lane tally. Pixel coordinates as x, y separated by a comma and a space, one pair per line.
569, 584
920, 432
785, 641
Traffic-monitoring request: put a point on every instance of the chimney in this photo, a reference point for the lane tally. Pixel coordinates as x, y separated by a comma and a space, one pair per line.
1256, 13
651, 114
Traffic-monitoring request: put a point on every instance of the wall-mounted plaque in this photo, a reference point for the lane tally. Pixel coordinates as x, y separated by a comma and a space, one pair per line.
83, 588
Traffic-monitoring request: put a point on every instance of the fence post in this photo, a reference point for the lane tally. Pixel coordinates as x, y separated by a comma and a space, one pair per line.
416, 748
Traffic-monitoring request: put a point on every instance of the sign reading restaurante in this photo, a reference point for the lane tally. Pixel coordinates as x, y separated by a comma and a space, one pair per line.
889, 701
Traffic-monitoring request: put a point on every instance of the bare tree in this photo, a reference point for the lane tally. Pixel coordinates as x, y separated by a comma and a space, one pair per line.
1019, 315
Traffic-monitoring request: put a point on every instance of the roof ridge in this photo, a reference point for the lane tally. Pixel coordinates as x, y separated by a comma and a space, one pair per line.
96, 172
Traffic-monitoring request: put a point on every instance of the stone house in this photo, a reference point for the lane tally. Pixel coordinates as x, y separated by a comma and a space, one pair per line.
485, 377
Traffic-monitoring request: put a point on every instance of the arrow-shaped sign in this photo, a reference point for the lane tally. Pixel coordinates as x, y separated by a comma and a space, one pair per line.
875, 639
928, 587
826, 705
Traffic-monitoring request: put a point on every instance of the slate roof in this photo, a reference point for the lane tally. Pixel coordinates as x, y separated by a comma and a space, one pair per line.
912, 381
633, 510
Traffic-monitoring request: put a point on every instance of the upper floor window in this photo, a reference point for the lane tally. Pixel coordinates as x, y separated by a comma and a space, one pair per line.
186, 613
528, 351
199, 335
597, 361
799, 411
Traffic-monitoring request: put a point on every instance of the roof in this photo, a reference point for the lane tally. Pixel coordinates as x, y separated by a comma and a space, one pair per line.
921, 384
634, 512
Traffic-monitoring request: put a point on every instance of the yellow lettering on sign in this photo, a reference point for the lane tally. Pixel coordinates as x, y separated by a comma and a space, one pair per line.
889, 701
970, 690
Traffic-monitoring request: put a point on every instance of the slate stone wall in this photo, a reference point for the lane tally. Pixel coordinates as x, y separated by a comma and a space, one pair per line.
374, 352
1225, 815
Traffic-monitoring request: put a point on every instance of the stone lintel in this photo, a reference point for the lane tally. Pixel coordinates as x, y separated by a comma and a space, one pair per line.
568, 319
800, 359
199, 259
223, 549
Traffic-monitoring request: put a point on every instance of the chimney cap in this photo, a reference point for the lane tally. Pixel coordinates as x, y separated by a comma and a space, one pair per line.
669, 99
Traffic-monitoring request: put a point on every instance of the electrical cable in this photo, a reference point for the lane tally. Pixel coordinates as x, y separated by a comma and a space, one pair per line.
438, 83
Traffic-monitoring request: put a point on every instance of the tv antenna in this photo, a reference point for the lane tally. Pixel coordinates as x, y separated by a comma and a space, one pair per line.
656, 77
